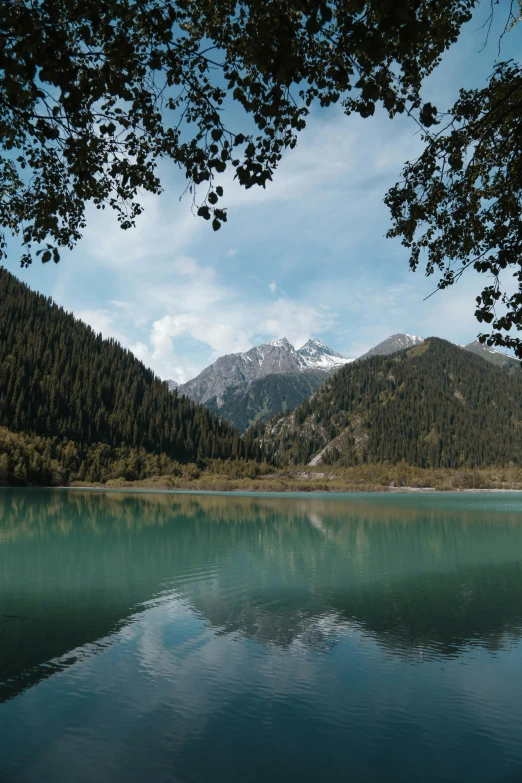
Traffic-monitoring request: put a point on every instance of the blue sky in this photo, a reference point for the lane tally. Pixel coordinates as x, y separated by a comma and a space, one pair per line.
305, 257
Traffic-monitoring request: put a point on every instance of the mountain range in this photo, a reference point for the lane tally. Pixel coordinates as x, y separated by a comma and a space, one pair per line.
251, 387
432, 405
247, 404
245, 388
275, 358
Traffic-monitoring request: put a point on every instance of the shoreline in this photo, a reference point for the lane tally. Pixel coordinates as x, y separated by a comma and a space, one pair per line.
394, 479
138, 486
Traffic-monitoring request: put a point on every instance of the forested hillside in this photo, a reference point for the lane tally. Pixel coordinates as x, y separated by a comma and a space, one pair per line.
434, 405
259, 400
59, 379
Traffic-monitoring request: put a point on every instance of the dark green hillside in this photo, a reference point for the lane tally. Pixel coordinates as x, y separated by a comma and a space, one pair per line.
434, 405
258, 401
58, 378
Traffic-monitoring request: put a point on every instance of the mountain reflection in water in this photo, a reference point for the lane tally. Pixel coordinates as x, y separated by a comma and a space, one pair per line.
423, 576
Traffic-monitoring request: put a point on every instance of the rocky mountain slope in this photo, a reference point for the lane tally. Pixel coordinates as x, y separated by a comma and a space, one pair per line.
392, 344
432, 405
260, 400
494, 357
275, 358
274, 378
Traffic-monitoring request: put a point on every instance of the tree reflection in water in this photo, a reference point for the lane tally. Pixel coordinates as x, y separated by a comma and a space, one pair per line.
421, 575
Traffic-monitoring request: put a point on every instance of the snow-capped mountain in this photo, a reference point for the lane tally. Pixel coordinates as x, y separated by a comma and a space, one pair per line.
397, 342
274, 358
172, 385
253, 386
316, 355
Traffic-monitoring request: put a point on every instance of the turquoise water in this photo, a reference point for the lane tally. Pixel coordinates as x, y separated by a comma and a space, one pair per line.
169, 637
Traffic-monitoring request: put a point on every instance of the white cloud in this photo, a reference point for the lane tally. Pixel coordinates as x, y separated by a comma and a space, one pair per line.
102, 321
121, 305
197, 305
334, 156
295, 321
160, 233
230, 329
182, 295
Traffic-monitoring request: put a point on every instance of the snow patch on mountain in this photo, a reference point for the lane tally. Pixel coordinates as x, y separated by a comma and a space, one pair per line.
318, 356
499, 358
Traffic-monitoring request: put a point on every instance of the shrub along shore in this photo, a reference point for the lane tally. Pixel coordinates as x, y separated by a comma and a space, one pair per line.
365, 478
28, 460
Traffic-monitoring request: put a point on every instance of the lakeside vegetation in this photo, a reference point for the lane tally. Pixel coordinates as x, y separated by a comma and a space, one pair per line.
37, 461
248, 477
26, 461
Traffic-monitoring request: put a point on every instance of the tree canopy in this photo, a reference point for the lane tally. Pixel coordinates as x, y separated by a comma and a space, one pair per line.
95, 93
460, 204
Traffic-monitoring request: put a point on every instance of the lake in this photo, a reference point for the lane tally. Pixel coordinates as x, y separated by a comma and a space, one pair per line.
202, 637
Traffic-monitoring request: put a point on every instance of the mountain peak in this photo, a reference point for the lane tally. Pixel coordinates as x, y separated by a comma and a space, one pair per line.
315, 354
392, 344
281, 343
493, 356
278, 357
313, 342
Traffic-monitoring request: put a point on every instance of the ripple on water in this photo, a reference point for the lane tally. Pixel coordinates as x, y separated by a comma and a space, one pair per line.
260, 639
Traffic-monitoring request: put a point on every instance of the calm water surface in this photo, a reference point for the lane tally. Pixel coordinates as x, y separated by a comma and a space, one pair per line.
177, 637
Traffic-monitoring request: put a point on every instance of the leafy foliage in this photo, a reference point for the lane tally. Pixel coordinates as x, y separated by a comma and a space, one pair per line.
26, 458
93, 94
432, 406
60, 379
460, 203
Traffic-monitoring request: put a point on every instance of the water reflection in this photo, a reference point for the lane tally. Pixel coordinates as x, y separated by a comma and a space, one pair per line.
424, 577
